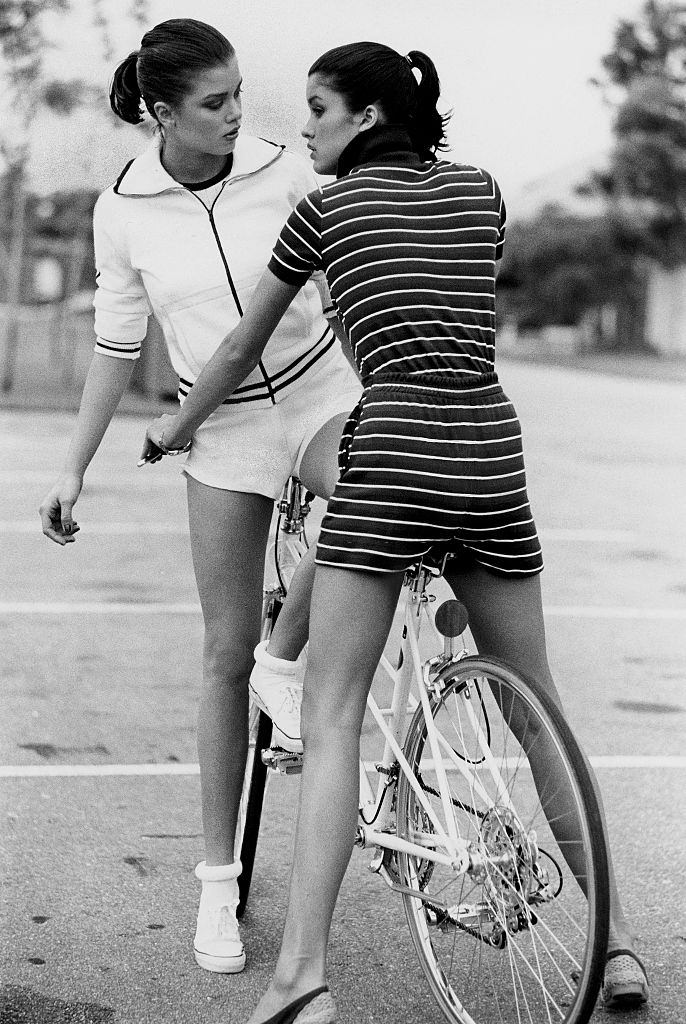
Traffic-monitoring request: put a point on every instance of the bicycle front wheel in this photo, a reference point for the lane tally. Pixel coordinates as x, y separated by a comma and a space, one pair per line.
252, 798
522, 935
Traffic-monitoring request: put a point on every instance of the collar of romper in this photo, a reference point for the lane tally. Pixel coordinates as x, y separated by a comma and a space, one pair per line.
387, 144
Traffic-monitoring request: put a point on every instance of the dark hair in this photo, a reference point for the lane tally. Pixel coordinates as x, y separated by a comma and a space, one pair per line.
366, 73
171, 55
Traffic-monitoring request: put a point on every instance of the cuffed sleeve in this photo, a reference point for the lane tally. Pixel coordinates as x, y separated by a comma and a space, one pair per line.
118, 349
121, 305
297, 253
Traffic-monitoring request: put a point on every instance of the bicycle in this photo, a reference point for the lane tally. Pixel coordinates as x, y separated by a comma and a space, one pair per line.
502, 872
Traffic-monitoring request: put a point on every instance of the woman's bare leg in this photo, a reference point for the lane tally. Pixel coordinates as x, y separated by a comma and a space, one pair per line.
351, 616
506, 621
229, 532
319, 473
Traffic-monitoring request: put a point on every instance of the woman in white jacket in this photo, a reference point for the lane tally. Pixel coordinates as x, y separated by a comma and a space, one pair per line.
184, 234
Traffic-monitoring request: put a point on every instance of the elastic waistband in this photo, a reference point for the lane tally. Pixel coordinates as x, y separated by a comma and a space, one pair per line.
434, 383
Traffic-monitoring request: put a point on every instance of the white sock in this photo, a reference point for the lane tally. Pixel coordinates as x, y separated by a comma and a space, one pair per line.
279, 665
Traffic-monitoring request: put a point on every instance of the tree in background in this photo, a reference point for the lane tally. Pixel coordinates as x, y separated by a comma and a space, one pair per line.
645, 80
26, 89
645, 181
562, 269
22, 46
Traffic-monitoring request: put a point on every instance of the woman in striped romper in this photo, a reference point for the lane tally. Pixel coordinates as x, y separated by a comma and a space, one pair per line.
431, 459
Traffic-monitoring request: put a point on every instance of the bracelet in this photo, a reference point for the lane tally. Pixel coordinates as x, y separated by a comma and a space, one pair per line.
170, 451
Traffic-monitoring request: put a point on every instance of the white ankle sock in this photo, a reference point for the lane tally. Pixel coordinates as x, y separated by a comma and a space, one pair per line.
218, 872
266, 660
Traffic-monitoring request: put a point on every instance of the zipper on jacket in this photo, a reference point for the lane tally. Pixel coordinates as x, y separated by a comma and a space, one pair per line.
232, 286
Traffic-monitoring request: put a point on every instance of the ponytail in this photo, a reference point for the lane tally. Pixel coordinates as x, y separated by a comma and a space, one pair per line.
427, 125
366, 73
125, 93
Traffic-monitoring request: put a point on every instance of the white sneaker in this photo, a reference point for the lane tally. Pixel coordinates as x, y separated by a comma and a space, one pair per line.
275, 689
217, 944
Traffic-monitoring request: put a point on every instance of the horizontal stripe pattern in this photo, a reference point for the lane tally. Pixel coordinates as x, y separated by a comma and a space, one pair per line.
409, 255
431, 459
118, 349
260, 390
426, 472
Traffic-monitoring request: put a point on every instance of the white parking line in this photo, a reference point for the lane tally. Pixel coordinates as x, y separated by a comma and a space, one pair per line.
125, 529
32, 771
182, 608
47, 771
602, 612
96, 608
100, 529
639, 761
43, 478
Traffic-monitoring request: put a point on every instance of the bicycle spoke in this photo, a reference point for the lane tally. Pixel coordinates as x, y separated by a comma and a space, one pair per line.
519, 943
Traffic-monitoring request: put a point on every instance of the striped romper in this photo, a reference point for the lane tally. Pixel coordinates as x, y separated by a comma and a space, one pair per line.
431, 458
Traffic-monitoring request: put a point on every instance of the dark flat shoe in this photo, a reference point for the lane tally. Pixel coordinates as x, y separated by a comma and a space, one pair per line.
315, 1007
626, 982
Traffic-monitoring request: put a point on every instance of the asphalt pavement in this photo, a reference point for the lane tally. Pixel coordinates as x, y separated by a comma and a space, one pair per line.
100, 661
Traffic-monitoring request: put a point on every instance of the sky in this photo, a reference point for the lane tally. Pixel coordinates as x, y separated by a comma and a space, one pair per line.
515, 73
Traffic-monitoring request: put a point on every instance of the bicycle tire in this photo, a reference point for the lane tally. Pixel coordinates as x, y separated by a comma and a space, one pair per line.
282, 559
255, 777
252, 799
488, 943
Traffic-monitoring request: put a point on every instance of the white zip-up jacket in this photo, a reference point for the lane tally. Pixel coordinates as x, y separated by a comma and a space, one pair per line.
159, 250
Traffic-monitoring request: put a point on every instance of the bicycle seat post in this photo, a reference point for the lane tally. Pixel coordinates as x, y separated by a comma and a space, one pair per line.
294, 506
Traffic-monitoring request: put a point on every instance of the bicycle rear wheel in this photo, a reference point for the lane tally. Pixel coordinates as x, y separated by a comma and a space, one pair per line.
522, 935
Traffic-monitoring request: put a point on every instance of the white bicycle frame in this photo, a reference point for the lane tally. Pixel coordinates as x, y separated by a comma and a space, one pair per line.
286, 547
375, 827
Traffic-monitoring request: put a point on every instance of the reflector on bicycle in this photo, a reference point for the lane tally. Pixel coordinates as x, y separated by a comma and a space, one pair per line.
451, 618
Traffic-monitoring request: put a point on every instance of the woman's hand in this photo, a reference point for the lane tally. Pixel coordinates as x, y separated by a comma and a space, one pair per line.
163, 437
56, 510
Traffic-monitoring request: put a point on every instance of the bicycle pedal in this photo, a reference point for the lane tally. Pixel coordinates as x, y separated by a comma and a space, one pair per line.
283, 761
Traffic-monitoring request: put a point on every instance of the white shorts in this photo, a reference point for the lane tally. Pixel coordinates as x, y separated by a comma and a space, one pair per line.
255, 450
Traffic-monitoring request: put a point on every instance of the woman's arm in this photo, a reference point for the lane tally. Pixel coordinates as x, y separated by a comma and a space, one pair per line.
237, 355
105, 384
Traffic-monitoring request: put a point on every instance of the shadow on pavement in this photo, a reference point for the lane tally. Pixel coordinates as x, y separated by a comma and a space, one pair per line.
22, 1005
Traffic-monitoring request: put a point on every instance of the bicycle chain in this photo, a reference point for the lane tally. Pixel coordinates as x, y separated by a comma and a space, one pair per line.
456, 803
